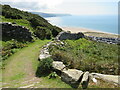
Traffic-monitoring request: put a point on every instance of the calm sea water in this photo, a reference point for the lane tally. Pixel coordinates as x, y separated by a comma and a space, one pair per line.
106, 23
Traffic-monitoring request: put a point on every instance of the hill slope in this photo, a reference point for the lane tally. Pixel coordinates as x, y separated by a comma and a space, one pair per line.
35, 25
41, 28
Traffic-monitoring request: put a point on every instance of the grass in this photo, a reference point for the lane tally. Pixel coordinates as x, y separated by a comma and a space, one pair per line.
52, 83
25, 59
88, 56
21, 67
21, 22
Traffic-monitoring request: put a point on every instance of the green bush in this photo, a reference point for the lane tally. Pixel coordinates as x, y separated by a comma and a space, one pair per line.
45, 67
43, 33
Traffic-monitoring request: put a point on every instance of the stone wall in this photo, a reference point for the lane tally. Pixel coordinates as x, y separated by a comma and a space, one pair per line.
106, 40
13, 31
70, 36
74, 36
76, 77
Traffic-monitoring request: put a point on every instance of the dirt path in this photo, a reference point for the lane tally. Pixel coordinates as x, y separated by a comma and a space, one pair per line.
21, 67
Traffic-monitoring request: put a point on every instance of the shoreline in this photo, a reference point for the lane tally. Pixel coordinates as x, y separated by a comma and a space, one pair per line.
90, 32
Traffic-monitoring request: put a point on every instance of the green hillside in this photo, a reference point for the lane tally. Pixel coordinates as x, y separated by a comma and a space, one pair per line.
38, 26
36, 23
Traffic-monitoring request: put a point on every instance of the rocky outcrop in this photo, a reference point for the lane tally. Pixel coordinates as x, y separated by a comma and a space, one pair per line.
13, 31
103, 39
70, 36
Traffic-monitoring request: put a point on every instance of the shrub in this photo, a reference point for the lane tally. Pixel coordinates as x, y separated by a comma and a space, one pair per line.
43, 33
45, 67
55, 31
52, 75
10, 47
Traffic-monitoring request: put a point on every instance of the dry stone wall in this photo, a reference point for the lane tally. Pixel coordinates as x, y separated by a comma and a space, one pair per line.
105, 40
71, 36
13, 31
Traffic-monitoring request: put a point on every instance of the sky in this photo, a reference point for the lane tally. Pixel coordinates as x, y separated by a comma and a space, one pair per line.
74, 7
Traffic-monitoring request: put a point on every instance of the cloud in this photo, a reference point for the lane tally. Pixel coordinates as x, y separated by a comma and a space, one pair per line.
76, 7
33, 5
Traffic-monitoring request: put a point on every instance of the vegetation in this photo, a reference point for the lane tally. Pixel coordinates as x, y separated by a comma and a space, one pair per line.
45, 67
33, 20
88, 56
10, 47
38, 26
23, 62
21, 67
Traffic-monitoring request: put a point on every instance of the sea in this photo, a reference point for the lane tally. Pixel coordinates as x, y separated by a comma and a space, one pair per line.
104, 23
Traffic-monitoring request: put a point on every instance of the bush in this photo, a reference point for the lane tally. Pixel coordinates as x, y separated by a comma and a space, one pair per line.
43, 33
45, 67
55, 31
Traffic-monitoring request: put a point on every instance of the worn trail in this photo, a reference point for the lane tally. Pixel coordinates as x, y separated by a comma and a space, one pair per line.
22, 65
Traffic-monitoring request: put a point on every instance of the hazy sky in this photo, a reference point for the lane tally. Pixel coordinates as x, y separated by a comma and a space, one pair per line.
77, 7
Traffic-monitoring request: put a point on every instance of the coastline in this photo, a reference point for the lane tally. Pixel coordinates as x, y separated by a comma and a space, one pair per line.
90, 32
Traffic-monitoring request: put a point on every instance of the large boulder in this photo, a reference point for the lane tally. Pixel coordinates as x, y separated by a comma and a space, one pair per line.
58, 65
72, 76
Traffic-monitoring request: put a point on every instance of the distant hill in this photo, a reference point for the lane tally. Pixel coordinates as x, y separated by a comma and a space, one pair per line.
50, 14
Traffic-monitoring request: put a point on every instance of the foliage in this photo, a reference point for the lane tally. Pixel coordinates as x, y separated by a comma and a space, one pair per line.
45, 67
33, 20
10, 47
43, 33
88, 56
38, 26
52, 75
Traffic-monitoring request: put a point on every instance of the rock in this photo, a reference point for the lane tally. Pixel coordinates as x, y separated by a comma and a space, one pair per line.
57, 65
71, 76
108, 78
43, 56
85, 80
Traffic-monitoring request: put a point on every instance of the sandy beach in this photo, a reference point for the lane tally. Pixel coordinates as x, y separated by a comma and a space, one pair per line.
90, 32
76, 30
